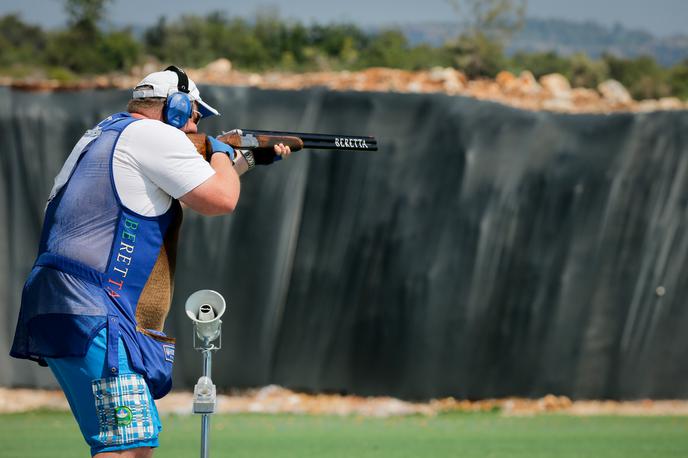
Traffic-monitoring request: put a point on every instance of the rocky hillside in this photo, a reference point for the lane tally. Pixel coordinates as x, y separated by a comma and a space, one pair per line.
551, 92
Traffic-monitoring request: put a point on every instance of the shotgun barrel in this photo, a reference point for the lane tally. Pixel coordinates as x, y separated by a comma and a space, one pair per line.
322, 141
261, 140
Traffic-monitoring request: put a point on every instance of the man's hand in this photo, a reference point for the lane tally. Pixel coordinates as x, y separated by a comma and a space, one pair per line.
219, 147
282, 151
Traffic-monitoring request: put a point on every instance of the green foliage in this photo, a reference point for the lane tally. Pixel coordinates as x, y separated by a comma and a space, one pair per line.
335, 46
486, 25
84, 17
478, 56
74, 49
424, 57
539, 64
85, 12
678, 80
61, 74
83, 48
497, 20
183, 42
585, 72
195, 41
20, 43
642, 76
83, 52
120, 50
272, 43
579, 69
387, 49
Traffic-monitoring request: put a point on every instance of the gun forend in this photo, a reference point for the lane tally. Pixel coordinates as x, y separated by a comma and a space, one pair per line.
259, 141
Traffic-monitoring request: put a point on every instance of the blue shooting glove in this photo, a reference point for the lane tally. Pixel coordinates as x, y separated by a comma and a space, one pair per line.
220, 147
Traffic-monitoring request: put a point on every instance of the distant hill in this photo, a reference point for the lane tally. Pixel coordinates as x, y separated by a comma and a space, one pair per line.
568, 37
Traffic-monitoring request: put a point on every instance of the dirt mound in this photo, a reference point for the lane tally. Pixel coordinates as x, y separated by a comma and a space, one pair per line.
551, 92
275, 399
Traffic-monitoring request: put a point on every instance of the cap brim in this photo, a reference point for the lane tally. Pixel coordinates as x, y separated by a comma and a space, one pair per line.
205, 109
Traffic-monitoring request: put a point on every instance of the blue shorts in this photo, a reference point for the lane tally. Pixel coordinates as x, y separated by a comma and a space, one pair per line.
113, 413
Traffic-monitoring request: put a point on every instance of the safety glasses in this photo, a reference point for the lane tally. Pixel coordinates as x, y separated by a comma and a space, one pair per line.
196, 116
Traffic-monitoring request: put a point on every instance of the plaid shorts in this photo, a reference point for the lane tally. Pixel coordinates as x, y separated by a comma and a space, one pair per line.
113, 413
123, 409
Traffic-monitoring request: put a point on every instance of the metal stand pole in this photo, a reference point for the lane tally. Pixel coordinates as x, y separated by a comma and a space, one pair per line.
204, 308
205, 396
205, 418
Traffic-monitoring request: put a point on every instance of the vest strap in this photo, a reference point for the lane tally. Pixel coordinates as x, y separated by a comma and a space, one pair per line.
112, 350
71, 267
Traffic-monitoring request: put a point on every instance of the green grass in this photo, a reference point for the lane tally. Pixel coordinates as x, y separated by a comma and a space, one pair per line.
54, 434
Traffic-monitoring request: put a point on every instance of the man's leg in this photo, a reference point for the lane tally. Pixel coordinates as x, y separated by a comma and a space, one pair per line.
140, 452
117, 415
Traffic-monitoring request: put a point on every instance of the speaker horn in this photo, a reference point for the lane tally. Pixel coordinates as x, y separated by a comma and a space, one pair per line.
204, 308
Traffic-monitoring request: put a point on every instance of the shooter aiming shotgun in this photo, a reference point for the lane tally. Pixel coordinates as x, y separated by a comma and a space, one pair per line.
94, 306
260, 143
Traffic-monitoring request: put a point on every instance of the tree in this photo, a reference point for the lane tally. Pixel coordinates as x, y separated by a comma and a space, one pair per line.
84, 48
495, 19
84, 17
643, 76
20, 43
678, 80
478, 56
585, 72
387, 49
484, 25
540, 63
85, 13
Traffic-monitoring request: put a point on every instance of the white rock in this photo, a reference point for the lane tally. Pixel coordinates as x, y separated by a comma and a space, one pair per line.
528, 84
255, 79
414, 86
557, 85
220, 66
648, 105
453, 87
671, 103
614, 92
558, 104
441, 73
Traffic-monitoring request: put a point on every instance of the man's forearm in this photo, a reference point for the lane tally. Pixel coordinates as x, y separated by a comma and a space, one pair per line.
224, 168
219, 194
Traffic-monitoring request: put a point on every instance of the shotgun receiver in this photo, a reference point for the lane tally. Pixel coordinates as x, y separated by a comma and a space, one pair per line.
266, 139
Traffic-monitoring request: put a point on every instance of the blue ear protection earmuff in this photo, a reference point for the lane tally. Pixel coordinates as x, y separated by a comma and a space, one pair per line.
178, 106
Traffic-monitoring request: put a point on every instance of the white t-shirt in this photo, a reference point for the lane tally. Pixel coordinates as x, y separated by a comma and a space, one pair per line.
154, 162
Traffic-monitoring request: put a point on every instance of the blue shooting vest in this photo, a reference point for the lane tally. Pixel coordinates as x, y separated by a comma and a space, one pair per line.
96, 262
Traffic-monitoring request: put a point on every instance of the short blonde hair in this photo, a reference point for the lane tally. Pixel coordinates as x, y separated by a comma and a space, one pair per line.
146, 105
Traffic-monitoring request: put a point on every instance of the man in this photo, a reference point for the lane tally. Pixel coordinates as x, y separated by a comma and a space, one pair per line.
94, 305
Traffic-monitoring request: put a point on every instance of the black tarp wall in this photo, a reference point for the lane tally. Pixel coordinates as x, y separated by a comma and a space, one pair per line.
484, 251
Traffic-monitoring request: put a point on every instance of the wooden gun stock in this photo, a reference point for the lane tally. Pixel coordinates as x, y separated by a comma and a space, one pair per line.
200, 141
237, 141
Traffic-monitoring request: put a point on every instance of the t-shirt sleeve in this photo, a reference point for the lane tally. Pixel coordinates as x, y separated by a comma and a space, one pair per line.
167, 157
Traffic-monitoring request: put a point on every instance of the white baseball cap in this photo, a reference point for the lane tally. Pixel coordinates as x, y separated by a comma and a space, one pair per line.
162, 84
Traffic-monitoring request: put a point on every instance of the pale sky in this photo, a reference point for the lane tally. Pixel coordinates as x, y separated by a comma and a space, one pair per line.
660, 17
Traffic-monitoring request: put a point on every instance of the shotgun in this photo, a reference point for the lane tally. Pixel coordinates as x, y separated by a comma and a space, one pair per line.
264, 141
